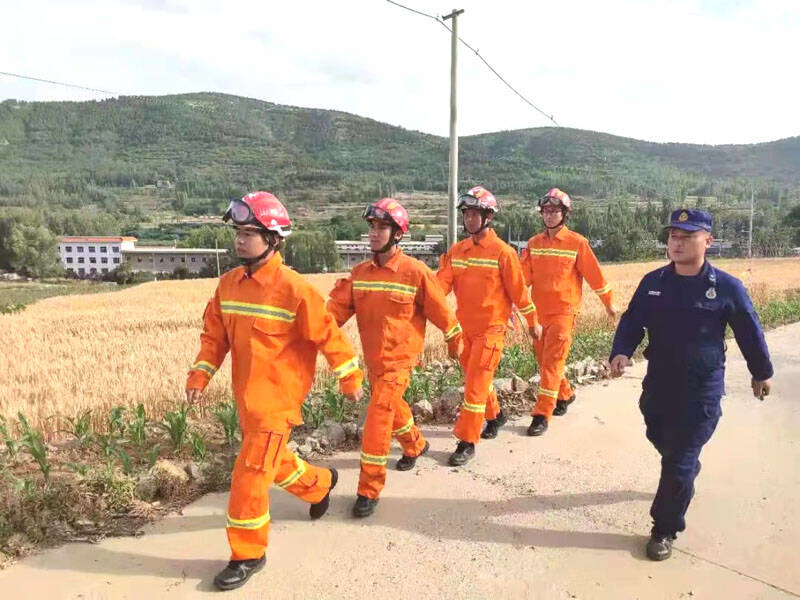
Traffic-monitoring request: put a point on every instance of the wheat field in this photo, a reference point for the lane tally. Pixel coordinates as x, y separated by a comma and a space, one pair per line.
67, 354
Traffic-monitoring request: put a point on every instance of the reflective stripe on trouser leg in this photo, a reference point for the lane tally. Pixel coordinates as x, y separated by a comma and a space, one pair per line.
301, 479
479, 366
248, 505
551, 353
376, 438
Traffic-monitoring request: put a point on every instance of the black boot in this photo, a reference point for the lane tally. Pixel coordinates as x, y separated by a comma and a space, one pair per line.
493, 426
364, 506
538, 426
238, 572
316, 510
659, 546
562, 406
463, 454
406, 463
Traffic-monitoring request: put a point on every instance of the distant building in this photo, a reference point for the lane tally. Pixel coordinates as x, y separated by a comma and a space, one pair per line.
95, 256
356, 251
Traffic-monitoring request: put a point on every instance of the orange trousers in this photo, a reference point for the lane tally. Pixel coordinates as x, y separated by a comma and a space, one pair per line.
263, 460
388, 414
551, 351
479, 361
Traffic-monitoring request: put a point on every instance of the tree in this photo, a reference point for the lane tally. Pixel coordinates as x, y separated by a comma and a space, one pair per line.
33, 251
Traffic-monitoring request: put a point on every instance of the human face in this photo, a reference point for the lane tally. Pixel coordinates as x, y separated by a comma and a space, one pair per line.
380, 234
551, 215
249, 242
688, 247
473, 220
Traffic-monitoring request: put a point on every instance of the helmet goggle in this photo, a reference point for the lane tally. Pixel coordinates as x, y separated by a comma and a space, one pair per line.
545, 200
240, 213
469, 201
373, 212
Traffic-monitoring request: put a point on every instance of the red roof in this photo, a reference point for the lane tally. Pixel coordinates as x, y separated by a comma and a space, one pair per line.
86, 239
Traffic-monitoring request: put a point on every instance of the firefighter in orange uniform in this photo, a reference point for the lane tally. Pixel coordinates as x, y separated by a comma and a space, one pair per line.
486, 276
555, 264
273, 323
391, 296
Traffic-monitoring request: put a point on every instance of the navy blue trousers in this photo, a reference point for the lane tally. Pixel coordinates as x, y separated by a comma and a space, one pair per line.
678, 428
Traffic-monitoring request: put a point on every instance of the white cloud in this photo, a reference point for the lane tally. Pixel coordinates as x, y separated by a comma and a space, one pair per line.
706, 71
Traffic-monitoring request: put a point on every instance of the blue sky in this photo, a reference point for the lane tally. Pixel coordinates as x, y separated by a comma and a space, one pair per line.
702, 71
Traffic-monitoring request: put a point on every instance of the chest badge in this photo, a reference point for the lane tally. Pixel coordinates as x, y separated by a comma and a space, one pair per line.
711, 293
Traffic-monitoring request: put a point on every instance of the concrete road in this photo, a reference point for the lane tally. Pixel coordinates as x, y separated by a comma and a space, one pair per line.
561, 516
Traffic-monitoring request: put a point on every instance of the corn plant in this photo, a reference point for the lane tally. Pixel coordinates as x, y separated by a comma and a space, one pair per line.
81, 428
153, 455
176, 424
227, 415
12, 446
197, 442
419, 387
334, 401
137, 427
107, 444
116, 421
31, 440
313, 412
125, 460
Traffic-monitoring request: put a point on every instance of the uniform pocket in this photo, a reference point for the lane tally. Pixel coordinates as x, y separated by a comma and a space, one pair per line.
401, 306
262, 449
491, 354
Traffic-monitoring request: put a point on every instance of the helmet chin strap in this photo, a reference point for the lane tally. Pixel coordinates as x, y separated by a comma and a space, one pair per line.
248, 262
484, 224
393, 241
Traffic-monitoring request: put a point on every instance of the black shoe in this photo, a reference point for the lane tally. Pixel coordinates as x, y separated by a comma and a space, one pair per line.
315, 511
364, 506
659, 546
493, 426
406, 463
562, 406
538, 426
463, 454
238, 572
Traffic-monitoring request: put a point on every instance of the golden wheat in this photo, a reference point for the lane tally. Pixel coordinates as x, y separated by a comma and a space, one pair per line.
64, 355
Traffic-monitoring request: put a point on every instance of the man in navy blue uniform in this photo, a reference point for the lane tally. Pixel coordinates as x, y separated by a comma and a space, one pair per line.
685, 307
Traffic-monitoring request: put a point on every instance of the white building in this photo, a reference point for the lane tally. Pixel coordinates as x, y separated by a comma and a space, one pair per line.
96, 256
87, 256
353, 252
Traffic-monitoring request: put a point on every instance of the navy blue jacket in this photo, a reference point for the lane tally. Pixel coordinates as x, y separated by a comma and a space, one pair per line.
685, 318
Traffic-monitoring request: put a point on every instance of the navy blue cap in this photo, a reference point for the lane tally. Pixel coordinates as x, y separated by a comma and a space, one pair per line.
691, 220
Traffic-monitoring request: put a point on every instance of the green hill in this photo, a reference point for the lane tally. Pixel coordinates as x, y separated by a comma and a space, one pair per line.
188, 153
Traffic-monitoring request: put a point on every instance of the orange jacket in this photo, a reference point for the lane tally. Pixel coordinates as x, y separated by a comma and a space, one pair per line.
391, 304
273, 322
487, 279
555, 269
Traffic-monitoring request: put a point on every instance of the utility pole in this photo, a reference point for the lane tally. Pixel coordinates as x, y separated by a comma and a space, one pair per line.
750, 233
452, 188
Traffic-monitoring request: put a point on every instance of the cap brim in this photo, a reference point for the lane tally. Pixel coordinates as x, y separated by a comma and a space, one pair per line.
686, 227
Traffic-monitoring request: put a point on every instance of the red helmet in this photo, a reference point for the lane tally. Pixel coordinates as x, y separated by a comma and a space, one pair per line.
557, 198
388, 210
261, 210
478, 197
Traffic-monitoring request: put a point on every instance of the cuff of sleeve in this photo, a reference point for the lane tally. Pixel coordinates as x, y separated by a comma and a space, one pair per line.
352, 382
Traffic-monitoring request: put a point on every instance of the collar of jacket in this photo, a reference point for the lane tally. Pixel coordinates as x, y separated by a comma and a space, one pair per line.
392, 264
265, 272
488, 240
561, 234
705, 272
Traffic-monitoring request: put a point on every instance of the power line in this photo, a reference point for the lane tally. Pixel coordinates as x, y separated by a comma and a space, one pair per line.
478, 54
69, 85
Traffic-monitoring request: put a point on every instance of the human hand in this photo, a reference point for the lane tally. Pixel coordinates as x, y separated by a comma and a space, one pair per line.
193, 396
611, 311
454, 350
618, 365
536, 331
355, 396
760, 388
